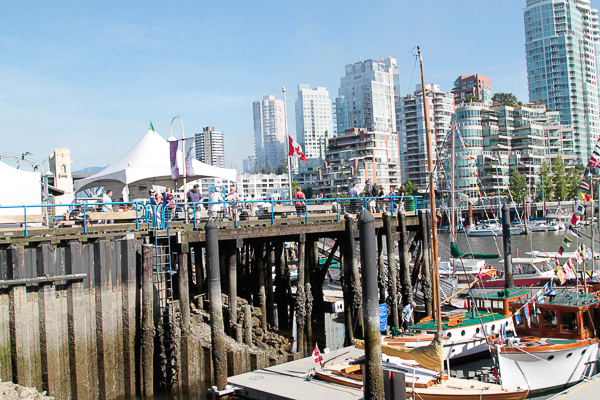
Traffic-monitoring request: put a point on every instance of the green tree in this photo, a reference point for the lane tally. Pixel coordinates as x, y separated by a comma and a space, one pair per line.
268, 169
561, 189
294, 186
410, 189
472, 99
282, 168
545, 192
506, 99
516, 185
573, 181
308, 192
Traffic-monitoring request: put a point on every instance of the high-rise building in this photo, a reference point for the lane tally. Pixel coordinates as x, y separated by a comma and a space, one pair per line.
411, 130
357, 155
562, 46
269, 131
475, 85
367, 95
248, 164
210, 147
313, 120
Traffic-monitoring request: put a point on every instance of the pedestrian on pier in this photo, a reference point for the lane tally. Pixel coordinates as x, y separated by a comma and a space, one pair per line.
195, 196
371, 192
215, 199
353, 199
381, 201
155, 203
107, 206
232, 196
300, 204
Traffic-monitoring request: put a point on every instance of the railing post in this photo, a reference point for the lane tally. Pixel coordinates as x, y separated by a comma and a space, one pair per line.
272, 214
25, 219
137, 220
235, 213
193, 211
337, 209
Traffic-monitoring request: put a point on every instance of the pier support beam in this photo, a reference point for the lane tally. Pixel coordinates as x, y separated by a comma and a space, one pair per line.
308, 261
199, 265
270, 254
380, 268
232, 292
301, 296
392, 284
426, 270
219, 355
405, 282
147, 322
509, 281
352, 289
373, 380
260, 274
281, 287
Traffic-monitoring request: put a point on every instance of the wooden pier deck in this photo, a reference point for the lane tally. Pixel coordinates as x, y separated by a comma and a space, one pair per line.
288, 381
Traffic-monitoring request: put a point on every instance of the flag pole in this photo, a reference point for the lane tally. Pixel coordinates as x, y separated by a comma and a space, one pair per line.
182, 162
287, 144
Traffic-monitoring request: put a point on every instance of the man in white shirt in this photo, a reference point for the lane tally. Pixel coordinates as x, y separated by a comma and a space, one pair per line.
407, 315
215, 198
107, 207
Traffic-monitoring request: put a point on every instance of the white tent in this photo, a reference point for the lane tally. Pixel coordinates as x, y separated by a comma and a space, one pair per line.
147, 164
19, 188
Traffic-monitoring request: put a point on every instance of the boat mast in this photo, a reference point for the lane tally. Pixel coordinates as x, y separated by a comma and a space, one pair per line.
452, 187
434, 245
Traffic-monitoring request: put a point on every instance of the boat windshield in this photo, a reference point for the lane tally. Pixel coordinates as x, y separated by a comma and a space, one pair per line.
523, 269
544, 267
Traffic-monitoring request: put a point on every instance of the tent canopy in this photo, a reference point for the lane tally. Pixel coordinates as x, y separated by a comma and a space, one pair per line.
19, 188
147, 164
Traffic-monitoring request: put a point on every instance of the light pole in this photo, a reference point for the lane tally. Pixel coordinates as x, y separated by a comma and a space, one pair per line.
172, 139
287, 143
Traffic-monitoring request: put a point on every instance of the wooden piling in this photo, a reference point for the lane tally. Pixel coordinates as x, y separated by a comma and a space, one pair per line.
405, 281
270, 254
308, 293
219, 355
260, 272
392, 287
247, 326
147, 322
232, 292
199, 264
281, 287
184, 293
301, 296
353, 290
380, 268
426, 270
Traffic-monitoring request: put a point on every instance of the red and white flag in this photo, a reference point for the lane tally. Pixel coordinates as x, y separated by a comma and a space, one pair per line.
317, 355
295, 149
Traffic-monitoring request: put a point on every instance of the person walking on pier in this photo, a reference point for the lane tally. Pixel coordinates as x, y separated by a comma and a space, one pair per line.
232, 196
107, 207
194, 195
215, 199
300, 205
407, 315
353, 196
370, 191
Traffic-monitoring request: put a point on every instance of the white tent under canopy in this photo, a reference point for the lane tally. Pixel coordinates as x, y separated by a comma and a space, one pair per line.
147, 164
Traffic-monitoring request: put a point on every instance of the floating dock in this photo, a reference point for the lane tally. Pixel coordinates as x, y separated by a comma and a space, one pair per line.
288, 381
585, 390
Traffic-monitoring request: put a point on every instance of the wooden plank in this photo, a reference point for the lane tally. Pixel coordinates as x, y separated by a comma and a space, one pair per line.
95, 215
20, 219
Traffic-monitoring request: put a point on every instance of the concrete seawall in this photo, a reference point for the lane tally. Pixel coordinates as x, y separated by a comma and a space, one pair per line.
74, 337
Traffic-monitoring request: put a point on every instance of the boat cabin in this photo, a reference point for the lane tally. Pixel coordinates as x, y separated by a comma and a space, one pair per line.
574, 316
498, 301
532, 266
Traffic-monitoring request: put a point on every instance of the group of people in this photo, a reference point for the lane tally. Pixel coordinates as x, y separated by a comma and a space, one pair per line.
379, 200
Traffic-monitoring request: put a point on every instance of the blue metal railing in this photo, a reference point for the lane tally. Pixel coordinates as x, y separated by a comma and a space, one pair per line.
160, 215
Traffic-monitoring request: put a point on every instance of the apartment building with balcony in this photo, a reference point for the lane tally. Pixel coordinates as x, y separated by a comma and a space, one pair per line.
313, 120
503, 139
562, 46
411, 130
357, 155
269, 131
367, 95
475, 85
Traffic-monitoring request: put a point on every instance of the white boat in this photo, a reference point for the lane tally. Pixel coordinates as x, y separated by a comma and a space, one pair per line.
545, 227
557, 348
491, 228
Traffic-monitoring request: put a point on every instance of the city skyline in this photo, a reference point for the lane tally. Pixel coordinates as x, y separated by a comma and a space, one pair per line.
72, 77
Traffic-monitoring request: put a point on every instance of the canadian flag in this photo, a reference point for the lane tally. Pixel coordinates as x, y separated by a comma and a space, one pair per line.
317, 355
296, 149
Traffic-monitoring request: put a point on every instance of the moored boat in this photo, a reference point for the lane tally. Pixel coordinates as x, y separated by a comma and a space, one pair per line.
557, 345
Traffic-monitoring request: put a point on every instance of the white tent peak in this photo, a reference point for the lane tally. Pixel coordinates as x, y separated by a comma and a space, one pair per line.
148, 163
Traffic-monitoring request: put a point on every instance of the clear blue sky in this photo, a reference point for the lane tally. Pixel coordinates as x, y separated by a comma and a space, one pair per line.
91, 75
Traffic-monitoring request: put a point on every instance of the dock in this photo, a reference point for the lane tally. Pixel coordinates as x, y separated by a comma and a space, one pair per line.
585, 390
288, 381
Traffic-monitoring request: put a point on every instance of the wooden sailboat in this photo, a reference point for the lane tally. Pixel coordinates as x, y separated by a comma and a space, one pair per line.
557, 347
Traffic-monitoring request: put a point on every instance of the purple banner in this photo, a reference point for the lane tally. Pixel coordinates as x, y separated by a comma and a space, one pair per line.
190, 154
174, 168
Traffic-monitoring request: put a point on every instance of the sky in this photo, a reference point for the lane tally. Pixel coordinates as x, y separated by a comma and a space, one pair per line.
90, 76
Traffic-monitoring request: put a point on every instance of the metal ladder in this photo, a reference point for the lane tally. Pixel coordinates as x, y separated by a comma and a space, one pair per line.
163, 284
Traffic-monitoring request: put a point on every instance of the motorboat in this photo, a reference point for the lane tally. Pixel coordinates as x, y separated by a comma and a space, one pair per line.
557, 344
491, 227
527, 272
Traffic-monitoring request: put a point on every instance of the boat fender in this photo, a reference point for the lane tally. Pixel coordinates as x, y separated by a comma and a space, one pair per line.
530, 338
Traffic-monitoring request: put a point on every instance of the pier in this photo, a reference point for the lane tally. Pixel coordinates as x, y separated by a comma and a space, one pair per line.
133, 308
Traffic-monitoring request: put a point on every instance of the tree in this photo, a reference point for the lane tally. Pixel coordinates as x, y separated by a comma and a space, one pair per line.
472, 99
573, 181
506, 99
282, 168
294, 186
516, 186
268, 169
561, 189
308, 192
545, 191
410, 189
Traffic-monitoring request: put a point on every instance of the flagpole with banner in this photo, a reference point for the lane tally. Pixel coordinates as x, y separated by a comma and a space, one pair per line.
183, 161
287, 147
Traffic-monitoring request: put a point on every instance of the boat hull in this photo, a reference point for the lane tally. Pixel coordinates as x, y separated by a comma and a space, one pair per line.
533, 370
